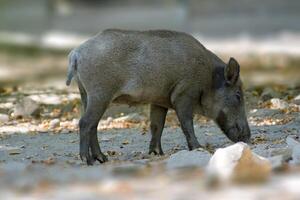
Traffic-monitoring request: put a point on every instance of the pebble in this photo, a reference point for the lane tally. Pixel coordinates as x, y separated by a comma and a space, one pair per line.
4, 118
277, 162
296, 100
26, 107
14, 151
295, 146
185, 158
9, 150
268, 93
54, 123
75, 122
47, 99
278, 104
133, 118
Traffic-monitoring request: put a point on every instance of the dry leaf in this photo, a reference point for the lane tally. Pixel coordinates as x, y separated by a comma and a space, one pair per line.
125, 142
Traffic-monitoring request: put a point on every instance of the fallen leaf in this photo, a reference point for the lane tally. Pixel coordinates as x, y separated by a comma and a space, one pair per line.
125, 142
14, 151
49, 161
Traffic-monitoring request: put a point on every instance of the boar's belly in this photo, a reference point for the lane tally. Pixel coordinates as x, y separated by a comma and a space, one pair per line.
142, 95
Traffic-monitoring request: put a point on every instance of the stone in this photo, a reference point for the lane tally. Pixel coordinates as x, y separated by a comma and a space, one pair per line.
4, 118
9, 150
263, 112
268, 93
109, 120
185, 158
75, 122
291, 142
295, 146
296, 155
133, 118
277, 103
54, 123
266, 151
297, 97
13, 167
285, 152
14, 151
26, 107
238, 163
47, 99
278, 156
105, 139
6, 106
127, 169
277, 162
296, 100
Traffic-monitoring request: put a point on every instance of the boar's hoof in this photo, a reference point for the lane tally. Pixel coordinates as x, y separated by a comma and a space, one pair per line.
101, 158
156, 152
87, 158
194, 145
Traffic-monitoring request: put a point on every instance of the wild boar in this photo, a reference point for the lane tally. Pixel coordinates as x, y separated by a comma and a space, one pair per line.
166, 69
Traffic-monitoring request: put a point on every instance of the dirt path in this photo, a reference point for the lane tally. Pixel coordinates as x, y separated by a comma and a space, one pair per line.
47, 165
39, 155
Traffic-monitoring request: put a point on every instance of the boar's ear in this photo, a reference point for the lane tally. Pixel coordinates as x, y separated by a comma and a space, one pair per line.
232, 71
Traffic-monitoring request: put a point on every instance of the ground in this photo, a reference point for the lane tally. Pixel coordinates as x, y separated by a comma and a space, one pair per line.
39, 152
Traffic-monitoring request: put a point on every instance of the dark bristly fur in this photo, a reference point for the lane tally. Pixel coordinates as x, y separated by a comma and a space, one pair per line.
167, 69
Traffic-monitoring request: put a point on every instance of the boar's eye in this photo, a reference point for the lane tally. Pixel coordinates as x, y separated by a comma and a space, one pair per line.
238, 95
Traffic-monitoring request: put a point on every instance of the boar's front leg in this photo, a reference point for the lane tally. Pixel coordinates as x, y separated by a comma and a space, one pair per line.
89, 145
184, 110
157, 118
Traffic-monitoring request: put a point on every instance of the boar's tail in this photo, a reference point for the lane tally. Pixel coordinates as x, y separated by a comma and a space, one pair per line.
73, 57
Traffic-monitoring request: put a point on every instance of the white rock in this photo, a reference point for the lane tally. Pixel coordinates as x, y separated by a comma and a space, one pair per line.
296, 155
26, 107
291, 142
297, 120
134, 118
184, 158
13, 167
105, 139
285, 152
295, 146
54, 123
4, 118
266, 151
73, 96
10, 150
277, 162
109, 120
75, 122
238, 163
105, 122
296, 100
7, 105
264, 112
47, 99
269, 93
278, 104
297, 97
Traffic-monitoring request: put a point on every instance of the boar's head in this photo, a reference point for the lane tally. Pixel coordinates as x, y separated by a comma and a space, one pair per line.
225, 102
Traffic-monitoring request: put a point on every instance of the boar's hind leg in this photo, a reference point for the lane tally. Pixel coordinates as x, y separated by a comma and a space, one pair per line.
184, 111
157, 118
89, 145
83, 97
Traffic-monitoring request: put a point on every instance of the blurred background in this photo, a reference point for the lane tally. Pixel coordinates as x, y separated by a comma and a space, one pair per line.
36, 35
39, 114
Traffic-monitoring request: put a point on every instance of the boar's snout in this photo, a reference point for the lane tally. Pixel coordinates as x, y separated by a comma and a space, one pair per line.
239, 133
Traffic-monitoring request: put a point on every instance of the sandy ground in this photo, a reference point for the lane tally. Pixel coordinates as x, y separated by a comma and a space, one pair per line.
40, 162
